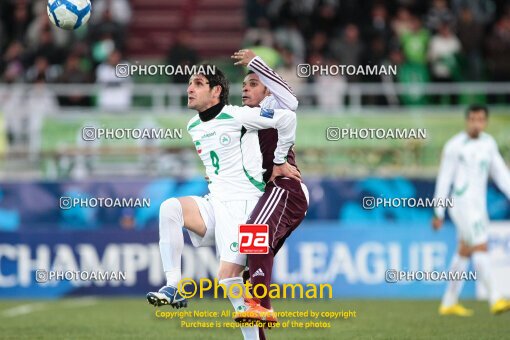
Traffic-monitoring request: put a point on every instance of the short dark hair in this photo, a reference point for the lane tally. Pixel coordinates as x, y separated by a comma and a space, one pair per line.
249, 72
477, 107
217, 78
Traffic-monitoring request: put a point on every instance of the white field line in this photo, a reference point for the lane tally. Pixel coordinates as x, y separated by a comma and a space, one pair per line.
35, 307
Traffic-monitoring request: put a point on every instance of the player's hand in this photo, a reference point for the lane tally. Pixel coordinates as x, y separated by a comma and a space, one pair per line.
285, 170
243, 57
437, 223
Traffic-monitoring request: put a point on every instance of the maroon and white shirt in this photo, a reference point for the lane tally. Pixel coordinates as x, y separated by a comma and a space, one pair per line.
281, 97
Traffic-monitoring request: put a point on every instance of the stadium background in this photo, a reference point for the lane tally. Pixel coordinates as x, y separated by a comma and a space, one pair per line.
53, 83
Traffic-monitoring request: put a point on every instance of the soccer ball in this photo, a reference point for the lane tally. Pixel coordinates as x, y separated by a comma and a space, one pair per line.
69, 14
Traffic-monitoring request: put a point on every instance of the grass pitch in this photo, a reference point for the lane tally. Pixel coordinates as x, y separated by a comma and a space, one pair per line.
133, 318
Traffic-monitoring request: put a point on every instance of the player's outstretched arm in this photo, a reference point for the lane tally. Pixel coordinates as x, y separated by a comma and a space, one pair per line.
278, 87
499, 172
282, 120
444, 182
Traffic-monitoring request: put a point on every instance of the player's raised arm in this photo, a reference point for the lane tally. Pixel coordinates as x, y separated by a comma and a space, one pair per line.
277, 86
282, 120
445, 178
499, 172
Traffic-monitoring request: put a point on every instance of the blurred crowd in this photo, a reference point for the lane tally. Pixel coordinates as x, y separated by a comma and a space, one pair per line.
435, 40
32, 50
429, 40
441, 41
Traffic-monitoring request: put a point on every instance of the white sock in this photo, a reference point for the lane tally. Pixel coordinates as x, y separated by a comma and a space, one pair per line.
483, 272
453, 288
171, 240
249, 333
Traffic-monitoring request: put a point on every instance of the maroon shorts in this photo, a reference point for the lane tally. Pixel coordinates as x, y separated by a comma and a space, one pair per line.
282, 207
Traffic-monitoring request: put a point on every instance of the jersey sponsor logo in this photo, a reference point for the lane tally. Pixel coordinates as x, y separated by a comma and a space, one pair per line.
268, 113
210, 134
225, 139
253, 239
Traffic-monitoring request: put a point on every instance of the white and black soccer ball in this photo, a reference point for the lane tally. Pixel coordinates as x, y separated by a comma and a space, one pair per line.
69, 14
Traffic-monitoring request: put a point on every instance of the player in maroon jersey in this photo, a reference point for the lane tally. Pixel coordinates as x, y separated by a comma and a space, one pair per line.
285, 201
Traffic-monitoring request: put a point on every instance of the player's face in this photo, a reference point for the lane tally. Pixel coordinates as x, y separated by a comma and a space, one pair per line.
253, 90
476, 122
200, 95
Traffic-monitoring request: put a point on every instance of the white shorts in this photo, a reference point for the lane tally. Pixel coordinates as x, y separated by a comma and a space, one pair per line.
471, 225
222, 220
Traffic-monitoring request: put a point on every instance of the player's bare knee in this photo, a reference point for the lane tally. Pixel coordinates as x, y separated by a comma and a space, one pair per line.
464, 251
480, 247
224, 274
229, 270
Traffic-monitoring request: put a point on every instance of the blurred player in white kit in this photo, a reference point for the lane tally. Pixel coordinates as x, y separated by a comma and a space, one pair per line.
467, 161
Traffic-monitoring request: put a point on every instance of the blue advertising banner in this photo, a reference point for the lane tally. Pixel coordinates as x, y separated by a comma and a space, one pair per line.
357, 261
41, 205
353, 260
